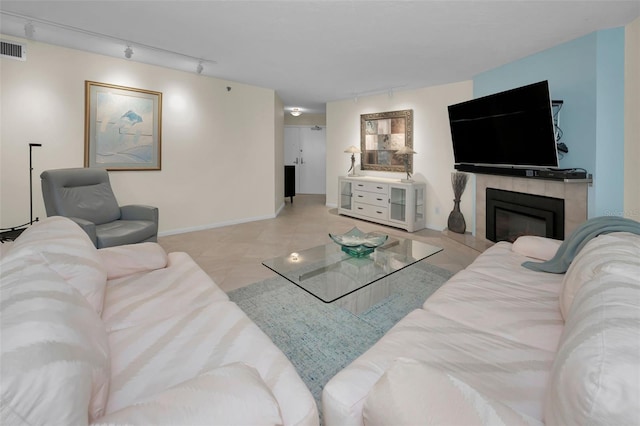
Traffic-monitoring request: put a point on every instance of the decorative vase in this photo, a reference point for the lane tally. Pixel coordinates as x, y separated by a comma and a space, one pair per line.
456, 221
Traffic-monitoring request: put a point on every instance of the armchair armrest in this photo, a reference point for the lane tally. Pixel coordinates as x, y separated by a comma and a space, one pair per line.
88, 227
139, 212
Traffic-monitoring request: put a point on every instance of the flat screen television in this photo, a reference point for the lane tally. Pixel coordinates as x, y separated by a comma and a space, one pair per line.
513, 129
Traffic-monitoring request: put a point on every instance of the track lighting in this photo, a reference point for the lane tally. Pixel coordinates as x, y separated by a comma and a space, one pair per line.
200, 68
128, 52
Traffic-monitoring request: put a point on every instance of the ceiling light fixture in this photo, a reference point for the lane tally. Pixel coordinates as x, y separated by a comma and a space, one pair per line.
296, 112
200, 68
29, 30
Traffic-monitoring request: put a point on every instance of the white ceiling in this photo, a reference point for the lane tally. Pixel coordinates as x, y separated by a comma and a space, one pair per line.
313, 52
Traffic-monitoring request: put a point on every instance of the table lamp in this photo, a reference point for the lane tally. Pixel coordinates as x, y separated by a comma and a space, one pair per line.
406, 152
353, 150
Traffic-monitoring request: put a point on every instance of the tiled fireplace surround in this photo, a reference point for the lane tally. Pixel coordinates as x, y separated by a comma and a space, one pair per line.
573, 192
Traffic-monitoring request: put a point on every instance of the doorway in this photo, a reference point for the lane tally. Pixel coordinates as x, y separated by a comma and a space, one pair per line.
305, 148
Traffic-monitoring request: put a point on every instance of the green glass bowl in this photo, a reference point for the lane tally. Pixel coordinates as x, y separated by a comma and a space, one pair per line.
358, 244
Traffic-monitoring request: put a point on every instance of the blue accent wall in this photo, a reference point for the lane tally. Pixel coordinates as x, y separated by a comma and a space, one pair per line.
588, 75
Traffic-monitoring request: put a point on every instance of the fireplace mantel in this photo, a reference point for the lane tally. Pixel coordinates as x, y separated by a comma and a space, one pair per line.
574, 192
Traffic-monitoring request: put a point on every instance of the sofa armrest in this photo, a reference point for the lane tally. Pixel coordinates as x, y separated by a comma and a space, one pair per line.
88, 227
139, 212
121, 261
221, 395
540, 248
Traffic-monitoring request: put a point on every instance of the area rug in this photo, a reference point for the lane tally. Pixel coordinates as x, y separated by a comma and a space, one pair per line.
321, 339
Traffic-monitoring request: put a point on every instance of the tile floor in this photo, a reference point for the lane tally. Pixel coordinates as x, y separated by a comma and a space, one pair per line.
232, 255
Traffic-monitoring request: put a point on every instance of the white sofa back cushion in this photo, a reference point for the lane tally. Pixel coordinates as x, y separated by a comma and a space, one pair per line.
413, 393
596, 374
233, 394
605, 251
67, 249
54, 354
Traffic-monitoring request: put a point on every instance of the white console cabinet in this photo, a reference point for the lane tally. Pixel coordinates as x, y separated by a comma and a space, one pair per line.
386, 201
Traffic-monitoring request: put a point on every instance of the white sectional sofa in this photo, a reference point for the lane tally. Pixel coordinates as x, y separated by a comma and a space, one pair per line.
131, 335
502, 344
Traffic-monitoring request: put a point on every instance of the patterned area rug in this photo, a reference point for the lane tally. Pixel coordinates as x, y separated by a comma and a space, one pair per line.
321, 339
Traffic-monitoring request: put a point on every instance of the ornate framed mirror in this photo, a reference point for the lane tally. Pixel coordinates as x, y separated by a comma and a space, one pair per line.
381, 135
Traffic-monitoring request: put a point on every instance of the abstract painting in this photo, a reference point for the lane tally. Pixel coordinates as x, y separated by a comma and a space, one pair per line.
123, 127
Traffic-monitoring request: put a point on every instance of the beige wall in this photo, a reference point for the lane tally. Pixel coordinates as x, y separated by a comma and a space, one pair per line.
432, 140
632, 121
218, 148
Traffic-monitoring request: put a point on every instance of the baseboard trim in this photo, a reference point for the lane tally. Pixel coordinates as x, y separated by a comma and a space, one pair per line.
215, 225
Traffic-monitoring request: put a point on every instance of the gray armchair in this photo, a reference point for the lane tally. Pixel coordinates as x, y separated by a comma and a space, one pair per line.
85, 196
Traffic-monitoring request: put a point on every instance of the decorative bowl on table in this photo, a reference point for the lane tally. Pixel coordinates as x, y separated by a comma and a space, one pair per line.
358, 244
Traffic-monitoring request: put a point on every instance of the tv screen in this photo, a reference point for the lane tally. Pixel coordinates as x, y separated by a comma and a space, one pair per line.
511, 128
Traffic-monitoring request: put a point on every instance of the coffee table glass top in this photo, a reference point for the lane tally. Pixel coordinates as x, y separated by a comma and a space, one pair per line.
329, 274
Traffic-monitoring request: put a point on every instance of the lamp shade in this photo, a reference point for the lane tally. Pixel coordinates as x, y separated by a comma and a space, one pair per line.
353, 150
405, 150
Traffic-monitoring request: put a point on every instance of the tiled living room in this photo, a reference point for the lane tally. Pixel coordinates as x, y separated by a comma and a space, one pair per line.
159, 267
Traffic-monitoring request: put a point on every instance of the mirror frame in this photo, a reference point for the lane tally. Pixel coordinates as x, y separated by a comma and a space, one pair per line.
391, 130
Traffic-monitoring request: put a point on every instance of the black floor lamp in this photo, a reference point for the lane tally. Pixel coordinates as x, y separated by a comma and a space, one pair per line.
10, 234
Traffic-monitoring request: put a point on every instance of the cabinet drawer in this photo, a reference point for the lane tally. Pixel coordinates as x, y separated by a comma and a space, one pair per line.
380, 188
371, 211
370, 198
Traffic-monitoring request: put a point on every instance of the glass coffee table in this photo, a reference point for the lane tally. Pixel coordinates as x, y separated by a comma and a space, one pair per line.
333, 276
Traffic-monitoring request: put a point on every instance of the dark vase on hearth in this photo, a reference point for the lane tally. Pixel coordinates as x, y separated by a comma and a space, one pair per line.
456, 221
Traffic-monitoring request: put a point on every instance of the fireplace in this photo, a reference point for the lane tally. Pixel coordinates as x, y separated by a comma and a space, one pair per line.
512, 214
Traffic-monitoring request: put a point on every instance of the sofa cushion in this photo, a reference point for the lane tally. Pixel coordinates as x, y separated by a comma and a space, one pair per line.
149, 297
121, 261
65, 247
233, 394
611, 250
536, 247
510, 372
596, 374
414, 393
54, 351
497, 295
153, 356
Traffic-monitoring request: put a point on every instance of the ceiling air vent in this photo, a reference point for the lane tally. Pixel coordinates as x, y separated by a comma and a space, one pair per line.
13, 50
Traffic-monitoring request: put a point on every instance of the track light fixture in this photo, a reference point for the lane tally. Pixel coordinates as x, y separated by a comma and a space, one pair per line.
200, 68
30, 30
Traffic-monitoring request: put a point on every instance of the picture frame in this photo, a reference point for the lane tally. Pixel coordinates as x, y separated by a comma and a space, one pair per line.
123, 127
383, 133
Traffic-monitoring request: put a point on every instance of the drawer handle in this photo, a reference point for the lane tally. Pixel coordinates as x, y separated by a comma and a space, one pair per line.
378, 212
360, 196
359, 208
379, 199
379, 187
360, 184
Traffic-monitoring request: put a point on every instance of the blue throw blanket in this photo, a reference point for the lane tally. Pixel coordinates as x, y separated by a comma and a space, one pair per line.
581, 236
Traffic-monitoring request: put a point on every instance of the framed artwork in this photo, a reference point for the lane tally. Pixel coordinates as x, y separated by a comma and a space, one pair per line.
381, 135
123, 127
